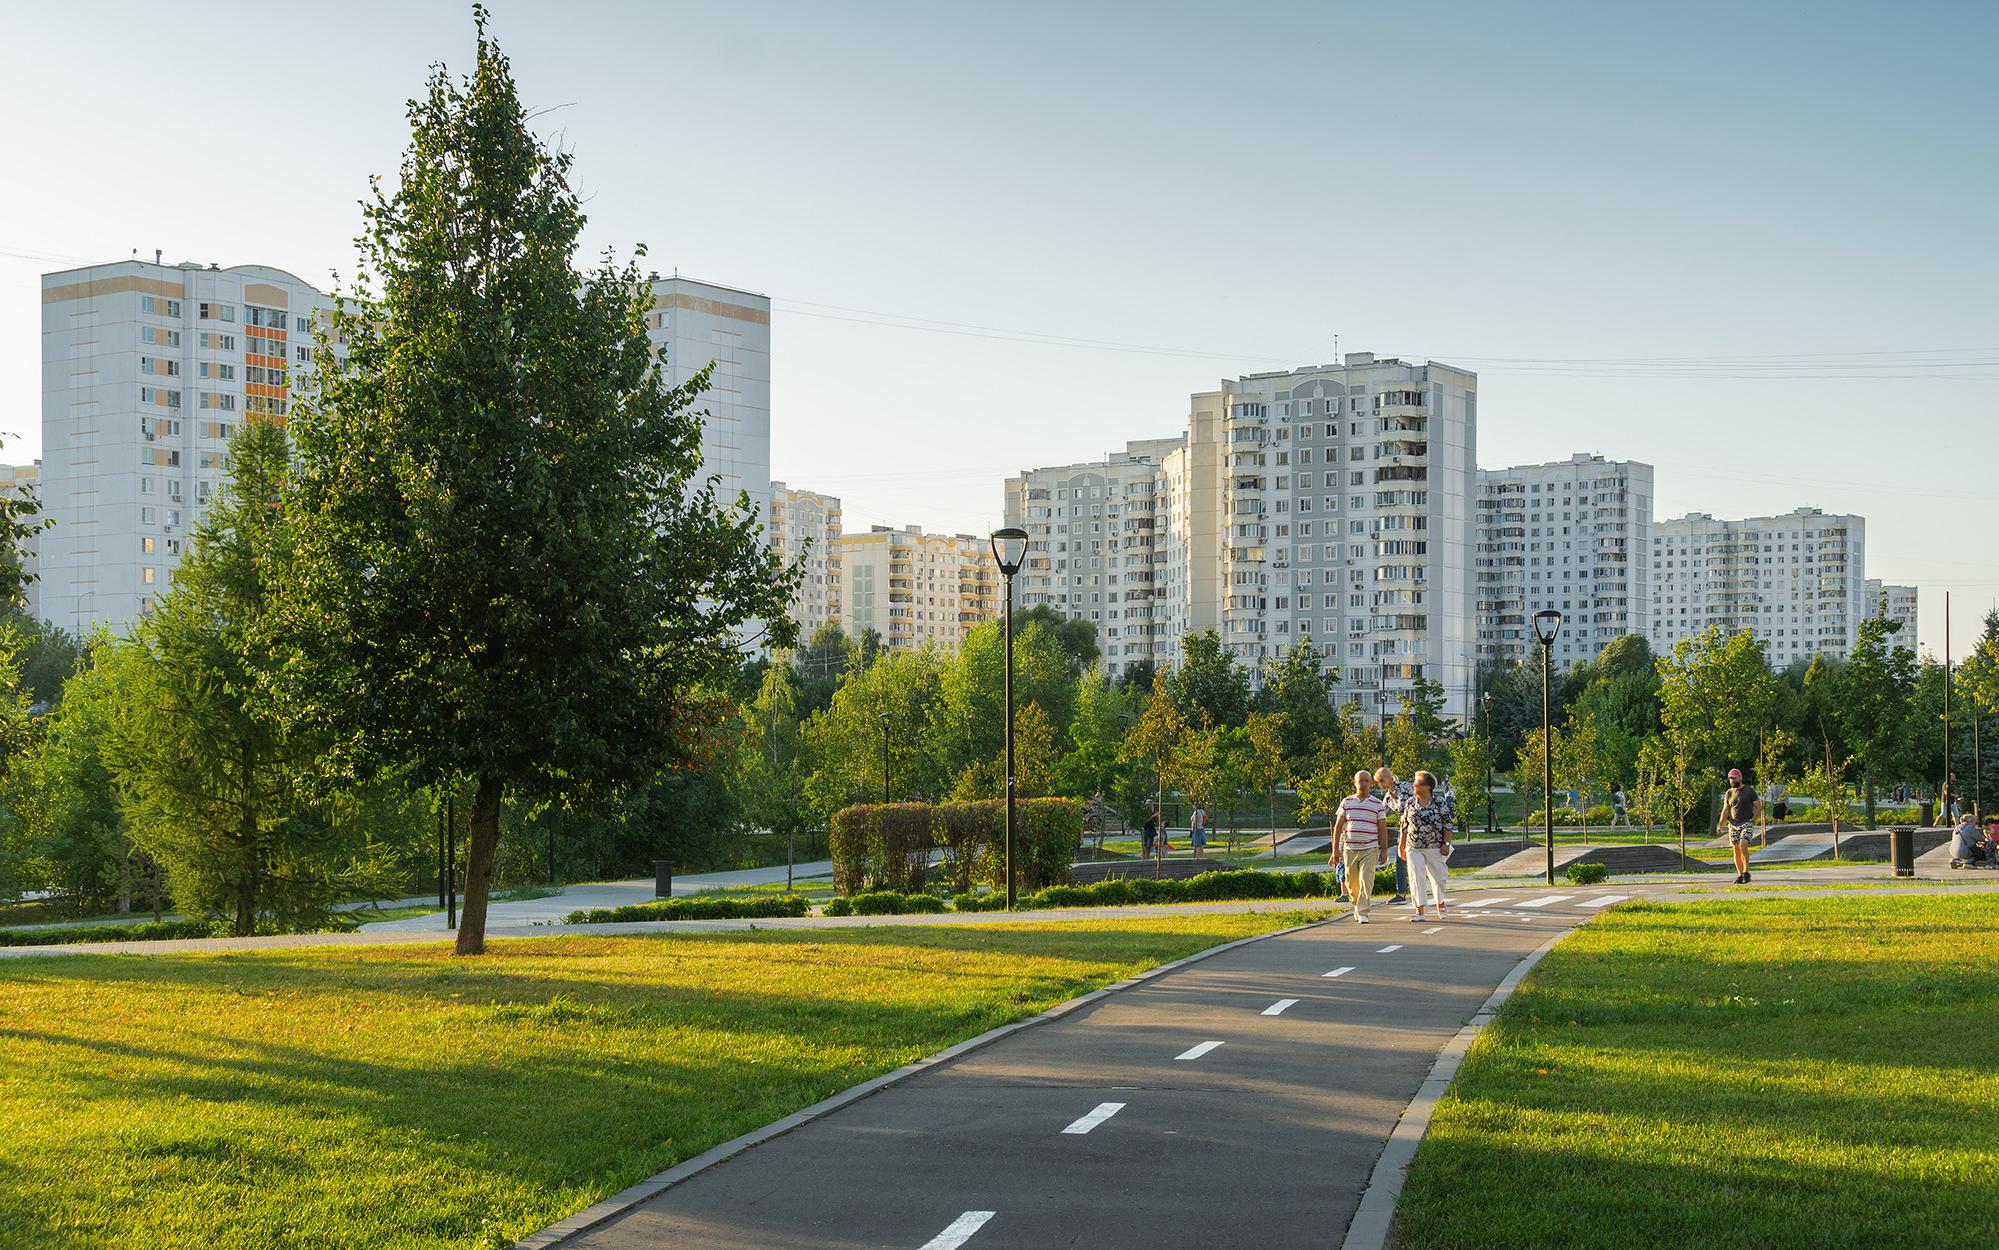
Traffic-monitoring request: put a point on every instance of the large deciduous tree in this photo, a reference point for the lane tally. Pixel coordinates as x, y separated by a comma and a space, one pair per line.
510, 577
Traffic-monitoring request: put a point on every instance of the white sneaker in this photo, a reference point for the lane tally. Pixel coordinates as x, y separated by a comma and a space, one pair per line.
1360, 919
1418, 918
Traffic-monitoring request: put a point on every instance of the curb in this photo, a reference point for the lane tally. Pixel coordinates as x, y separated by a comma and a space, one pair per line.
1376, 1214
624, 1200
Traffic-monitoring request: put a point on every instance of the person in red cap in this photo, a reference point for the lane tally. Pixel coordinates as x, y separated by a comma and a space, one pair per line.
1740, 810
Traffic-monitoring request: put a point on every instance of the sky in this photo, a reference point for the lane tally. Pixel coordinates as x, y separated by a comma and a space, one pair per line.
1751, 245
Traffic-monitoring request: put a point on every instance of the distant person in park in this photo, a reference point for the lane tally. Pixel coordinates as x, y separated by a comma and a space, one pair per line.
1740, 810
1618, 804
1947, 801
1780, 802
1426, 842
1357, 842
1393, 795
1197, 831
1149, 833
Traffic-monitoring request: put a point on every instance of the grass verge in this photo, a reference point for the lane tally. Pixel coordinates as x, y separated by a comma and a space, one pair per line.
1730, 1074
398, 1097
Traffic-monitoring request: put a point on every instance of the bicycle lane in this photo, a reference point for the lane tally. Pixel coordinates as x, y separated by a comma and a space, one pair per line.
1243, 1098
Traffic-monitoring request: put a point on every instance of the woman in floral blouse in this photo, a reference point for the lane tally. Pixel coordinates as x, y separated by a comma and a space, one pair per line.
1426, 841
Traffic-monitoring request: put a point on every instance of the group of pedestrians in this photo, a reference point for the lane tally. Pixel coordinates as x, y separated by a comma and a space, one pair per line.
1412, 822
1154, 835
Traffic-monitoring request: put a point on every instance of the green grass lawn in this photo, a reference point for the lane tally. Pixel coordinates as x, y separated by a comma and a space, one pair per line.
1754, 1074
397, 1097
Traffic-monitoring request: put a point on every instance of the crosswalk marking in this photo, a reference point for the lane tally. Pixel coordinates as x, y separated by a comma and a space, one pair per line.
1547, 899
1604, 901
1340, 972
1482, 902
1281, 1006
1438, 929
1197, 1051
1389, 949
1104, 1111
960, 1231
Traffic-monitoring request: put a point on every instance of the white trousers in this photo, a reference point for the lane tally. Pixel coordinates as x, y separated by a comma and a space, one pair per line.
1428, 864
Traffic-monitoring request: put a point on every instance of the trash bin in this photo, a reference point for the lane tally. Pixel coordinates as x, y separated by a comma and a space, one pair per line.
662, 872
1902, 851
1926, 813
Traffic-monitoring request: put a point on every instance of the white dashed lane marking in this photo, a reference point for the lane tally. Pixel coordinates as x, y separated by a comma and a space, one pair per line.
1281, 1006
1340, 972
1197, 1051
1104, 1111
960, 1231
1389, 949
1438, 929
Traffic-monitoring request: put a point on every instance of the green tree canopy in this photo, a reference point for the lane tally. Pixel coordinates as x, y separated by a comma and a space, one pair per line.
509, 575
1209, 686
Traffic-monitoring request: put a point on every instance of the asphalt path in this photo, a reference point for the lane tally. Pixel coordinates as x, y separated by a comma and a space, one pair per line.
1240, 1100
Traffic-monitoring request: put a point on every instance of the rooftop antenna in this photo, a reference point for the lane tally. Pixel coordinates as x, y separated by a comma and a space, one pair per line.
156, 255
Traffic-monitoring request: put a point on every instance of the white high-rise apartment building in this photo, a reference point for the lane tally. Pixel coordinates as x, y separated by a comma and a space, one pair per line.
1345, 516
1796, 581
147, 369
1331, 502
17, 479
1901, 608
1097, 548
806, 525
1573, 535
695, 324
913, 588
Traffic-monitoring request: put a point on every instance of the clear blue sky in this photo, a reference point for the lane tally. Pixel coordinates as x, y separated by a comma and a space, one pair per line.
1751, 244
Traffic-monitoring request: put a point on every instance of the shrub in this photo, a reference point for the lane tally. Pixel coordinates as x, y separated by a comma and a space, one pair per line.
1598, 815
1222, 885
837, 906
145, 931
893, 903
880, 846
766, 907
968, 901
1586, 874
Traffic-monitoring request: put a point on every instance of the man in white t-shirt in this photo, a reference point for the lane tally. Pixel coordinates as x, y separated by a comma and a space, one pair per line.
1357, 841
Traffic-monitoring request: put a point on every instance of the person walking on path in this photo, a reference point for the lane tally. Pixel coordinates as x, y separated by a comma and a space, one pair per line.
1357, 842
1426, 842
1618, 804
1394, 795
1740, 810
1149, 833
1197, 831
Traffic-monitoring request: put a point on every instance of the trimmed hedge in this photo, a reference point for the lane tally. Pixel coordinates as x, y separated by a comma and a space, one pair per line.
1224, 885
886, 846
768, 907
1586, 874
145, 931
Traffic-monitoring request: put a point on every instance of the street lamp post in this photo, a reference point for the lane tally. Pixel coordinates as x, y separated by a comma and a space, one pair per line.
885, 797
1009, 552
1547, 624
1485, 705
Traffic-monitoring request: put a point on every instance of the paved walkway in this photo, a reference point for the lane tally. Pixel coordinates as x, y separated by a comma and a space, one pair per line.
526, 913
1239, 1101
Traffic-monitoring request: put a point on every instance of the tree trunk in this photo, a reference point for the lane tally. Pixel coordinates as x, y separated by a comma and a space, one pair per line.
483, 839
246, 829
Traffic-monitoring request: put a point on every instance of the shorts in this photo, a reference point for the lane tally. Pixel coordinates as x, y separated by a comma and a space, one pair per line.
1740, 835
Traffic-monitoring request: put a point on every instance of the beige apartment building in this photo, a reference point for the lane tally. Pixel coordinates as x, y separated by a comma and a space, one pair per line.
913, 588
16, 479
1796, 581
1898, 604
805, 526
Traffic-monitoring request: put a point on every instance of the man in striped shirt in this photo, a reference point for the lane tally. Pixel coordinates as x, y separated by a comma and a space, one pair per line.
1357, 841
